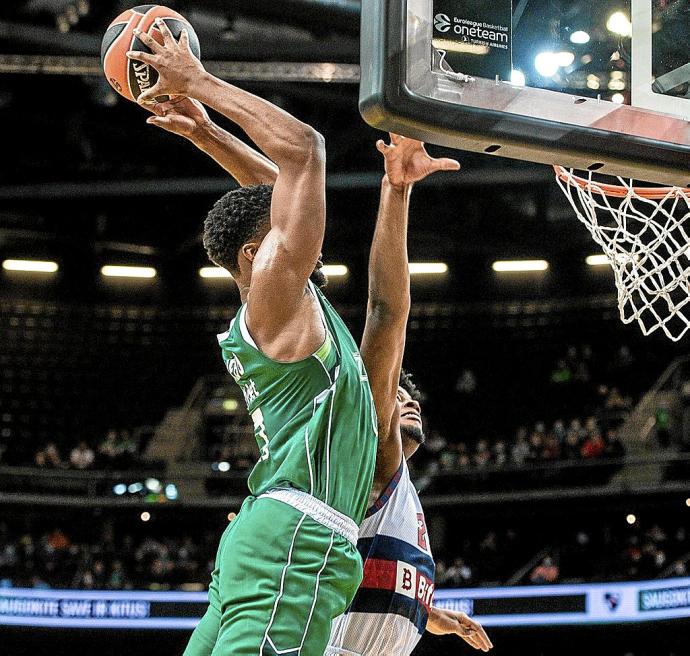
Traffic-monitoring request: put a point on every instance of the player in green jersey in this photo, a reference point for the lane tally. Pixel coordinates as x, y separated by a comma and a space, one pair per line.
288, 563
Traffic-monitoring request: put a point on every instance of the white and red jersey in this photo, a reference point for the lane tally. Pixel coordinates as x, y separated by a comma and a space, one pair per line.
389, 612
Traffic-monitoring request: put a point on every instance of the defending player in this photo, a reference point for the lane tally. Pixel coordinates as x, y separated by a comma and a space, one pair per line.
288, 563
394, 605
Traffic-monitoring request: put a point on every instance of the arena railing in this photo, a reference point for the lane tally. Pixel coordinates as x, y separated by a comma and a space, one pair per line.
198, 485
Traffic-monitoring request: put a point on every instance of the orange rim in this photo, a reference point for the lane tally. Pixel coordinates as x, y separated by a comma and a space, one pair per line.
616, 191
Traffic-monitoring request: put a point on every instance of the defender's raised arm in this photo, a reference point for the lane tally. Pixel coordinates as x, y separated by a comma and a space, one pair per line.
383, 343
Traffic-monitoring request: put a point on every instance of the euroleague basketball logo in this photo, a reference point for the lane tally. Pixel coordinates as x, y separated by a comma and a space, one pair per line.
442, 22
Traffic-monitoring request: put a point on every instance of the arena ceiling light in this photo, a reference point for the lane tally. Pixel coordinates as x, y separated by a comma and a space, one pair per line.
518, 266
117, 271
335, 270
428, 268
32, 266
597, 260
214, 272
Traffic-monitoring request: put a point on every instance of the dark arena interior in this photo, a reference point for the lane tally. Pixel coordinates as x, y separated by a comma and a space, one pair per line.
555, 476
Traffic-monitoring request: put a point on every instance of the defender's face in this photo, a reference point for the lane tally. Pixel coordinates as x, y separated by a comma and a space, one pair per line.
410, 411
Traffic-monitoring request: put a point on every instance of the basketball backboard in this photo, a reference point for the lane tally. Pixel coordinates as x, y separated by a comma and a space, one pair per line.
588, 84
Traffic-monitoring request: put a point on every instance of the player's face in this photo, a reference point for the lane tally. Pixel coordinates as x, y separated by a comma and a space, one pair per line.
410, 410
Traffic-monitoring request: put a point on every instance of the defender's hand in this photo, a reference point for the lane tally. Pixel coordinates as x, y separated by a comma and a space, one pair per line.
444, 622
176, 65
407, 161
180, 115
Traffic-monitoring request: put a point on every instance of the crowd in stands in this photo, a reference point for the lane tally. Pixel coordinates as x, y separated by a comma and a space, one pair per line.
53, 559
111, 559
577, 441
584, 417
117, 450
598, 553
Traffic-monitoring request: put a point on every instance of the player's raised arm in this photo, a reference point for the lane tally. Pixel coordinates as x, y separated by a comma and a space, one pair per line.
290, 251
383, 342
188, 118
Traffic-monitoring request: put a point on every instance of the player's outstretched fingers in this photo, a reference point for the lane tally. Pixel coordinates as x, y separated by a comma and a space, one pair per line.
446, 164
160, 121
482, 639
383, 147
148, 41
168, 38
184, 40
149, 96
396, 139
142, 57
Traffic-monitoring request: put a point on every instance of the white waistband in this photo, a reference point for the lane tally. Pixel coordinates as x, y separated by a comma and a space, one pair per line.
318, 510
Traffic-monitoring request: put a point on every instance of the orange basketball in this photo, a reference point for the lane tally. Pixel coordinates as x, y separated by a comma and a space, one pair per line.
127, 76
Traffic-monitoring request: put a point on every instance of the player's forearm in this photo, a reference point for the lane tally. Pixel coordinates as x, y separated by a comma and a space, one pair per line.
242, 162
389, 275
433, 623
284, 139
441, 621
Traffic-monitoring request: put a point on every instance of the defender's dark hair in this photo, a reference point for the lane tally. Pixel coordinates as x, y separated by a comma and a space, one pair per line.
238, 217
408, 385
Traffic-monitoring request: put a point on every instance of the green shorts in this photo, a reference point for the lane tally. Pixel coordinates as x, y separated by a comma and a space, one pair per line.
280, 579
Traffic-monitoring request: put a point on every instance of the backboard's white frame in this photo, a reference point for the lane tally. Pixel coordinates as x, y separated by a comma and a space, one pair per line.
642, 77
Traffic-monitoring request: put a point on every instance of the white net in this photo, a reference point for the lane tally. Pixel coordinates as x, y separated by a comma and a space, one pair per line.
643, 234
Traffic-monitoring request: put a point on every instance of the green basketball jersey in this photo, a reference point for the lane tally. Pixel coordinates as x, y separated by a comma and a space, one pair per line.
314, 420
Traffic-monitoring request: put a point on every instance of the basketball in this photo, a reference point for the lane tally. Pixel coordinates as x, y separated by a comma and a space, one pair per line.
128, 77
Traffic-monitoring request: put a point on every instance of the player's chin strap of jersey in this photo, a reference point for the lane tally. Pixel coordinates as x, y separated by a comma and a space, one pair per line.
318, 510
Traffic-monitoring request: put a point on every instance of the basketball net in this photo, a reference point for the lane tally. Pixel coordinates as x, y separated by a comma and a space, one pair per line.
643, 235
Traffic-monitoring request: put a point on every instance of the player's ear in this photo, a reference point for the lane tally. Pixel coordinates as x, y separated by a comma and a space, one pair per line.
248, 250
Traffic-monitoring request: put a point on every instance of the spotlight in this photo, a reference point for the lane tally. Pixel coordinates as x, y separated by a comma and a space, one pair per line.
335, 270
114, 271
145, 516
565, 58
30, 266
426, 268
546, 64
214, 272
597, 260
619, 23
515, 266
580, 37
171, 492
153, 485
631, 519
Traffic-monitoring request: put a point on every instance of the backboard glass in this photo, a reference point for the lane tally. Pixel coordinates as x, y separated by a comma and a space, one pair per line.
588, 84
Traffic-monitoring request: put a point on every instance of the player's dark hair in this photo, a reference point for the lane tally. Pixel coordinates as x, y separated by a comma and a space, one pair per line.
409, 386
237, 218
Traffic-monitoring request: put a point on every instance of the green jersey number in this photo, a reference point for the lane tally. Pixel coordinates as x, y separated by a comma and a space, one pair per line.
260, 432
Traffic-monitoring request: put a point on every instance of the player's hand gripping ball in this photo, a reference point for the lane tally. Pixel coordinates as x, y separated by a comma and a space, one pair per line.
127, 76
